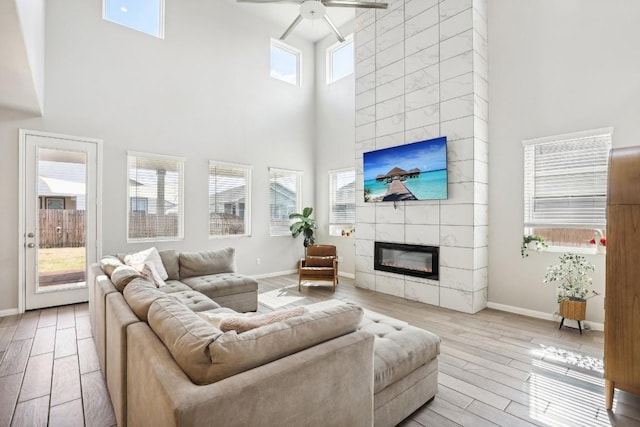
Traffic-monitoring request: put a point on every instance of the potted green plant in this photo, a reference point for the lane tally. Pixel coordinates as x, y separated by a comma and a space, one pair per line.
305, 226
532, 242
571, 276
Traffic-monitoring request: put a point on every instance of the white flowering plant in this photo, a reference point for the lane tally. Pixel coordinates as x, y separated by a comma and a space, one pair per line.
571, 277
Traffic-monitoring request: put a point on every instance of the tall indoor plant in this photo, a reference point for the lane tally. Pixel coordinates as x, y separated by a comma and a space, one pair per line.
305, 226
571, 276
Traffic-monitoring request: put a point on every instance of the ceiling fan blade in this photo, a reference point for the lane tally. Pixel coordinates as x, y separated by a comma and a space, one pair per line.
334, 28
358, 4
293, 25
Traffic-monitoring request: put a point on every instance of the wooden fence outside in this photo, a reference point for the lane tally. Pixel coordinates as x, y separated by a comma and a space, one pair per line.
146, 226
61, 228
572, 237
221, 224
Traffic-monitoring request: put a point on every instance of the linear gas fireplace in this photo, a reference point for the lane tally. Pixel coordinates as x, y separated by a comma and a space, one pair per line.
412, 260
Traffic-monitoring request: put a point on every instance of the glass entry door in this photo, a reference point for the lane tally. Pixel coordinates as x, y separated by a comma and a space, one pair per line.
60, 233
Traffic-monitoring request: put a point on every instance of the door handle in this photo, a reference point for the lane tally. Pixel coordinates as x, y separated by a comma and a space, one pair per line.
31, 245
30, 235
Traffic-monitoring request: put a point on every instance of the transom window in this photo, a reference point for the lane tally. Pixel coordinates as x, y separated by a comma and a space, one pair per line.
565, 188
340, 62
146, 16
155, 197
342, 201
285, 62
285, 198
229, 199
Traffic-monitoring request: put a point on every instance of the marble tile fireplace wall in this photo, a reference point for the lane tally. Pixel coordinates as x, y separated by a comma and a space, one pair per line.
421, 72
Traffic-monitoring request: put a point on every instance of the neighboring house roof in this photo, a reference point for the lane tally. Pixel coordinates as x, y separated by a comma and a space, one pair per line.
59, 187
228, 196
282, 191
346, 194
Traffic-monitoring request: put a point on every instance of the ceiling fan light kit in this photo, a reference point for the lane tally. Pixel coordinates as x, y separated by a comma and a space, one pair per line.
317, 9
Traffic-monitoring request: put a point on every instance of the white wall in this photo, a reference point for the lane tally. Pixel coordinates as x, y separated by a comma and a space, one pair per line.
335, 133
555, 67
204, 92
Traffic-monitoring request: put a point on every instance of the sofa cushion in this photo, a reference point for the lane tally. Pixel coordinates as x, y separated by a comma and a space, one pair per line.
319, 261
207, 262
195, 301
109, 263
206, 354
123, 275
171, 263
149, 257
218, 285
140, 294
172, 286
399, 348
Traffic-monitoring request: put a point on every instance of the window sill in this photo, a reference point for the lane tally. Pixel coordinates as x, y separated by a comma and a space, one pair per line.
575, 250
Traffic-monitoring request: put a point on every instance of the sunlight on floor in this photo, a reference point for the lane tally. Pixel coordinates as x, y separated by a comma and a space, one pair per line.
571, 358
574, 397
280, 297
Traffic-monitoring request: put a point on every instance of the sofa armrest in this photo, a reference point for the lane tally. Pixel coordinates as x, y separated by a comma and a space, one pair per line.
329, 384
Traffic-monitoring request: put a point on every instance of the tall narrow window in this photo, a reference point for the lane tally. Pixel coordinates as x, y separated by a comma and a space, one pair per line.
340, 61
285, 199
565, 187
146, 16
229, 199
285, 62
342, 201
155, 197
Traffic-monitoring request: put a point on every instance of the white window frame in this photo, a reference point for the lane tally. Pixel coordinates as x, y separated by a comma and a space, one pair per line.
292, 50
298, 205
333, 225
247, 207
181, 164
161, 23
529, 186
329, 59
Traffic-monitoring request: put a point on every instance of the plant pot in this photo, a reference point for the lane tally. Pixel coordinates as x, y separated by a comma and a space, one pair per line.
575, 310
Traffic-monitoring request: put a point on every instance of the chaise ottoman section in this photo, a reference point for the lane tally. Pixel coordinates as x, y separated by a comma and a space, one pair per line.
231, 290
405, 367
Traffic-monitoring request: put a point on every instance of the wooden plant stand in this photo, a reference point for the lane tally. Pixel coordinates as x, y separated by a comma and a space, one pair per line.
574, 310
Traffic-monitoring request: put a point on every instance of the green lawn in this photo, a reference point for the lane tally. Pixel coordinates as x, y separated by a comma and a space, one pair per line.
61, 259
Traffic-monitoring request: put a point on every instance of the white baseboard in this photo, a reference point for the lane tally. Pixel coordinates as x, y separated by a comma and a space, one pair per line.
347, 275
277, 273
595, 326
8, 312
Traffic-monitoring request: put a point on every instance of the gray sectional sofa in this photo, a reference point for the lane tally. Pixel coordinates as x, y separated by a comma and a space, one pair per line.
165, 365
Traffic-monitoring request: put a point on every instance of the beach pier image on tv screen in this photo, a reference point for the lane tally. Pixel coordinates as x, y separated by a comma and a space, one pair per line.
416, 171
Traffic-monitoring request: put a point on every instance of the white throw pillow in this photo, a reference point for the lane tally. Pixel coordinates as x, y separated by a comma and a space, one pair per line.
149, 256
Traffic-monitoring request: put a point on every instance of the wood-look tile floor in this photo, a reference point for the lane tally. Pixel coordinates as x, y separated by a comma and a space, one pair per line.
49, 370
496, 368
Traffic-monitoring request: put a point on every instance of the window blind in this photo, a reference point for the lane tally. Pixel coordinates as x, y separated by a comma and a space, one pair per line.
342, 200
566, 181
229, 203
284, 196
155, 197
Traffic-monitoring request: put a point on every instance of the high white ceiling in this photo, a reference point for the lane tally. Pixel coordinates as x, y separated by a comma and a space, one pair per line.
283, 14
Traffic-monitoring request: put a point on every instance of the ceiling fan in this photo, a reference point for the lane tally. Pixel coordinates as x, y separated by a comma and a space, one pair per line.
317, 9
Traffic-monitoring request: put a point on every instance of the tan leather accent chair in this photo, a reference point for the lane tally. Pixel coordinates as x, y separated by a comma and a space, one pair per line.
320, 263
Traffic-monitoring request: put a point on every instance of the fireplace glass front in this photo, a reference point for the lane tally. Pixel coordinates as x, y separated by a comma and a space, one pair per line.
412, 260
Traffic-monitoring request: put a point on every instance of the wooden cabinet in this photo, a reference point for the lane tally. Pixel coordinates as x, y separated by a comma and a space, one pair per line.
622, 299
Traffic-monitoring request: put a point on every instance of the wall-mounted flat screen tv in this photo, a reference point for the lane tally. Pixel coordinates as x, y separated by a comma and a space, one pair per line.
416, 171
